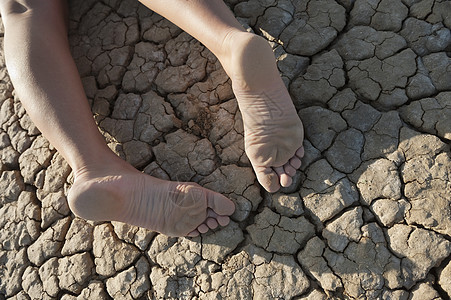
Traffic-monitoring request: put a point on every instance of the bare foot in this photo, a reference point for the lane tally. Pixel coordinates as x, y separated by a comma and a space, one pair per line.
273, 132
132, 197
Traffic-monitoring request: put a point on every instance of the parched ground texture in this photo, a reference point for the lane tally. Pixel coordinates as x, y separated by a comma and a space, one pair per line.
368, 216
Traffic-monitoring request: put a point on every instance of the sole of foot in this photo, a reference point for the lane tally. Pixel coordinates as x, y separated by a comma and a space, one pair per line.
172, 208
273, 131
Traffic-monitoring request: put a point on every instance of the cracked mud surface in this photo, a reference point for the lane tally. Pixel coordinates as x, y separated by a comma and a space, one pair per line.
368, 215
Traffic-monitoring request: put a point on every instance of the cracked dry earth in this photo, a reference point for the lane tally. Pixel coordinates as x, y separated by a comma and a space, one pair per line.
368, 215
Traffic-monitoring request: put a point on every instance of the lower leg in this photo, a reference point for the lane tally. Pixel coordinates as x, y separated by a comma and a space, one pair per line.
273, 130
46, 80
106, 188
209, 21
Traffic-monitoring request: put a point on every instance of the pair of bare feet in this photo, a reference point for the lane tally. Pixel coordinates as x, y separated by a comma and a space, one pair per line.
273, 143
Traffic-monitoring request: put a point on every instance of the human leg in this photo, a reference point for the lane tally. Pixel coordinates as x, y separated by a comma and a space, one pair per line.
43, 72
106, 188
273, 130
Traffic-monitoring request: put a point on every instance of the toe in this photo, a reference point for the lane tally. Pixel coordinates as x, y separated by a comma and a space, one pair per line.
300, 152
223, 220
212, 223
193, 233
267, 178
285, 179
289, 169
220, 220
220, 204
203, 228
295, 162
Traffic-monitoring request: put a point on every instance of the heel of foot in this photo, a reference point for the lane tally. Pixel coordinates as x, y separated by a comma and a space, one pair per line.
248, 57
91, 201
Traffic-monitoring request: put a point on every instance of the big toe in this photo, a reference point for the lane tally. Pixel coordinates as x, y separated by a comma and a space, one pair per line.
268, 179
220, 204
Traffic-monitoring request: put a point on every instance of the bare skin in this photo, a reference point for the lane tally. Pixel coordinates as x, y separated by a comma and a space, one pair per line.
273, 130
107, 188
175, 209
